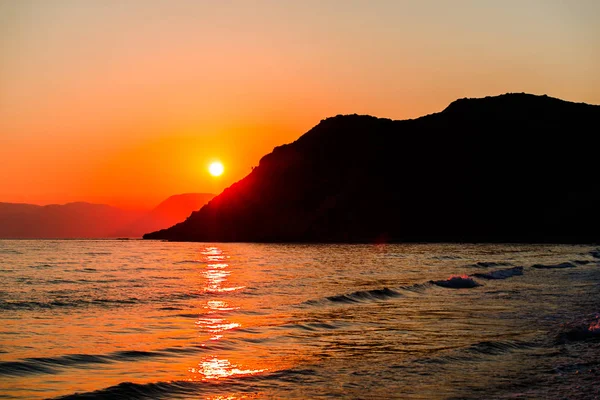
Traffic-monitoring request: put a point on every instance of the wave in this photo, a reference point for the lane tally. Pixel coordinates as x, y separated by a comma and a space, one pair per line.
499, 347
581, 262
595, 253
40, 305
48, 365
374, 295
52, 365
417, 287
30, 305
9, 368
86, 270
129, 390
554, 266
476, 351
491, 264
366, 295
9, 251
453, 282
131, 300
170, 308
195, 316
176, 389
60, 281
359, 296
310, 326
189, 262
41, 266
26, 281
501, 273
449, 257
185, 296
457, 282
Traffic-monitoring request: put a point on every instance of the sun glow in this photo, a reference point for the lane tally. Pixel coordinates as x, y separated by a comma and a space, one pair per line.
216, 168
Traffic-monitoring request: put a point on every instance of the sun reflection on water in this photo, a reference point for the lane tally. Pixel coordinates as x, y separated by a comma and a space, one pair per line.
218, 265
215, 368
223, 290
214, 323
212, 251
219, 305
217, 325
216, 273
216, 277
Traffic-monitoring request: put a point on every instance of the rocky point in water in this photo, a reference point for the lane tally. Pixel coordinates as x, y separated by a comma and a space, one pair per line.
510, 168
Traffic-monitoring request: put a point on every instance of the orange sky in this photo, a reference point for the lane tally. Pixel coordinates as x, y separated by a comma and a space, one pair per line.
127, 102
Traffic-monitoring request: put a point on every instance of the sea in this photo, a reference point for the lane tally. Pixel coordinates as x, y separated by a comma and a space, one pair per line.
134, 319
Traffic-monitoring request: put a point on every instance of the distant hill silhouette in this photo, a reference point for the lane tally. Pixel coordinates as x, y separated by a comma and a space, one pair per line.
86, 220
71, 220
510, 168
171, 211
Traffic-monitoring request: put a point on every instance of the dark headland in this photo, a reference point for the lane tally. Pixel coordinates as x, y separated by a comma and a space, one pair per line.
510, 168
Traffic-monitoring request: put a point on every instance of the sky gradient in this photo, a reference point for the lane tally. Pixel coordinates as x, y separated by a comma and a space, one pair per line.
128, 102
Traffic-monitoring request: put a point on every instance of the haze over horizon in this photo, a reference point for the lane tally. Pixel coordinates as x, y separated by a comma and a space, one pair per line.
127, 103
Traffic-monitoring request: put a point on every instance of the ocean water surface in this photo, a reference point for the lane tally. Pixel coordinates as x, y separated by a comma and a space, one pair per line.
158, 320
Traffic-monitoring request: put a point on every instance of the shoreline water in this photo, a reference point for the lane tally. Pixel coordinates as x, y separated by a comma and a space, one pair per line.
179, 320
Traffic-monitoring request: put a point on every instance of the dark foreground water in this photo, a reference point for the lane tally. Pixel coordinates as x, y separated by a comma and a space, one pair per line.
152, 320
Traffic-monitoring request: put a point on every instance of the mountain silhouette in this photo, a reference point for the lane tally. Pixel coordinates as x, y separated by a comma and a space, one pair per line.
71, 220
509, 168
86, 220
171, 211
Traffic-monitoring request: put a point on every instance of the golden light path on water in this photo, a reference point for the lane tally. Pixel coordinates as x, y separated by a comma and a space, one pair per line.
215, 324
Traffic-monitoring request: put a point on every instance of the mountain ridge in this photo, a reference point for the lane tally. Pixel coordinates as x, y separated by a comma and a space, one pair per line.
364, 179
173, 209
53, 221
81, 219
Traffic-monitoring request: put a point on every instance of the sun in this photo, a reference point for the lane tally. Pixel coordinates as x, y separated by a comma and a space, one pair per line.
216, 168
